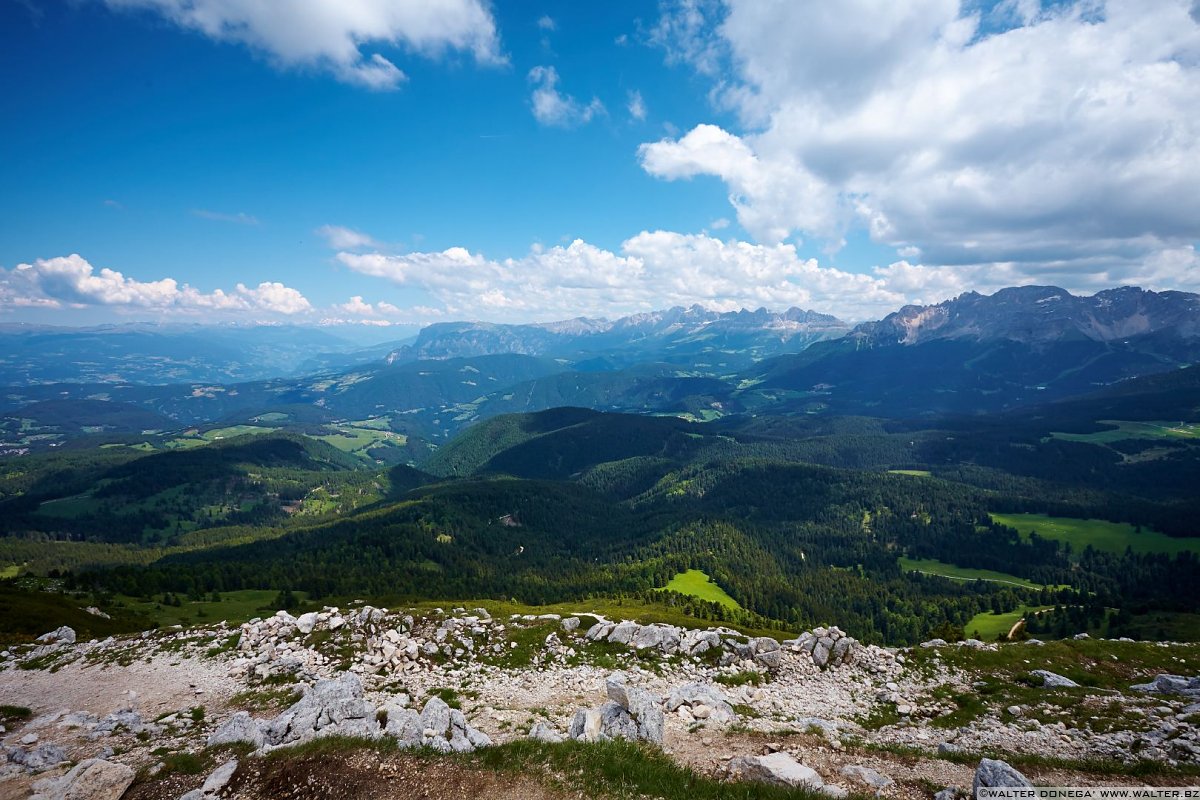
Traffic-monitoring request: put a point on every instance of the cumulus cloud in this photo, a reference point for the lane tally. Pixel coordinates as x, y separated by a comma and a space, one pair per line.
70, 281
552, 107
1059, 137
331, 34
357, 307
340, 238
547, 23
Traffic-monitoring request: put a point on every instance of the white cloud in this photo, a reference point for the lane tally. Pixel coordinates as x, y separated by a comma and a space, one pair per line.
357, 307
1062, 138
331, 34
70, 281
546, 23
655, 269
239, 218
341, 238
552, 107
637, 106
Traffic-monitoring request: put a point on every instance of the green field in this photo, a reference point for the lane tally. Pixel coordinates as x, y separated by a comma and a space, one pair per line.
929, 566
1109, 537
235, 608
10, 571
988, 626
1134, 430
698, 584
920, 473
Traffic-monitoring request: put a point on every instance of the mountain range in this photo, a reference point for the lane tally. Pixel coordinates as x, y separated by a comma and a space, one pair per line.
973, 354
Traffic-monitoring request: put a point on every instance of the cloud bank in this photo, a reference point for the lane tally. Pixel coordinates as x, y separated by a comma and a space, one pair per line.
657, 269
71, 282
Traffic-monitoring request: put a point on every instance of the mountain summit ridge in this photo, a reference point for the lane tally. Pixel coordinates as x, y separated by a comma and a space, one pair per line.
1033, 314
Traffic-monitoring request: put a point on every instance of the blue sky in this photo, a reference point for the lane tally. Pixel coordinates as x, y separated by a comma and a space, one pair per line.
146, 141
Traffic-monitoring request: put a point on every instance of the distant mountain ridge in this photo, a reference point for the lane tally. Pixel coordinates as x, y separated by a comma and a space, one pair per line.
1033, 314
671, 335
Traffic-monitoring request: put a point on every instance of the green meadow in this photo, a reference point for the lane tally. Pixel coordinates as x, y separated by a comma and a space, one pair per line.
234, 607
919, 473
929, 566
988, 626
1134, 430
697, 584
1109, 537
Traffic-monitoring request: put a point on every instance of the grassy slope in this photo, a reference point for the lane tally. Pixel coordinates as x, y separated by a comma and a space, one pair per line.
696, 583
235, 608
988, 626
931, 567
1109, 537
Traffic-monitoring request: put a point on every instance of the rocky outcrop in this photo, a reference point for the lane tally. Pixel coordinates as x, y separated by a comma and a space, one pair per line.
37, 759
699, 701
631, 713
829, 647
93, 779
336, 707
1171, 684
240, 728
63, 635
333, 707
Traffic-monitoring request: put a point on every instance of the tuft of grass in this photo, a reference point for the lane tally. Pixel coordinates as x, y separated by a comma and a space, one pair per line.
11, 714
448, 695
279, 697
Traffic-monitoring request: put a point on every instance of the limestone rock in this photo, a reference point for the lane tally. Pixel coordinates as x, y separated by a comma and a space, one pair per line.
544, 733
1051, 680
777, 768
867, 776
93, 779
996, 774
699, 694
63, 635
241, 727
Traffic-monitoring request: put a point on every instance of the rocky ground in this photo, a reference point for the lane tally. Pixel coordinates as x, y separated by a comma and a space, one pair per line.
203, 712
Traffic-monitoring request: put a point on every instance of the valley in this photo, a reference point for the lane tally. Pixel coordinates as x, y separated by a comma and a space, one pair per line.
501, 518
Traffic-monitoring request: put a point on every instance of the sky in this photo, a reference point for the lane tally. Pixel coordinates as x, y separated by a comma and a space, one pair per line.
400, 162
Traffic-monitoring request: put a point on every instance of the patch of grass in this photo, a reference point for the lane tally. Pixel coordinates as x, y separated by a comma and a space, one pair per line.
51, 661
1089, 662
10, 571
930, 566
1108, 537
917, 473
11, 714
620, 769
696, 583
448, 696
741, 678
272, 699
881, 716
